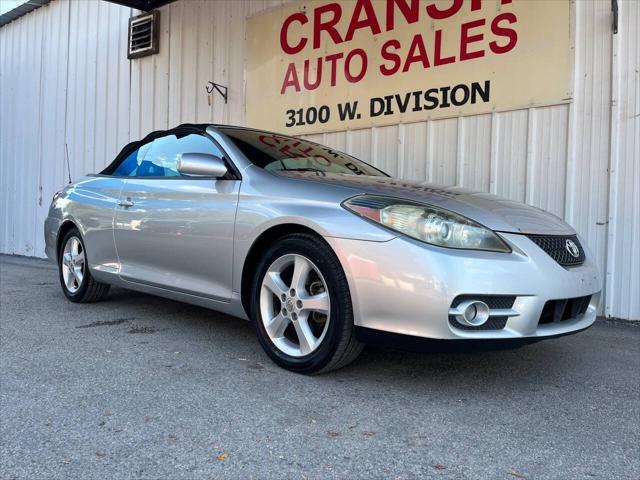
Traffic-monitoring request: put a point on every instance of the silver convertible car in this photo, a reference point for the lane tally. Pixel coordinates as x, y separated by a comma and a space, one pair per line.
321, 251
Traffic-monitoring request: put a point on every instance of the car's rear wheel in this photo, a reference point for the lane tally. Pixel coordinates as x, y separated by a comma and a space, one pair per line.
301, 306
75, 278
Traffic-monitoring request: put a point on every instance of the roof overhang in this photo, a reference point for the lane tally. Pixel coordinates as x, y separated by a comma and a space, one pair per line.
20, 10
144, 5
30, 5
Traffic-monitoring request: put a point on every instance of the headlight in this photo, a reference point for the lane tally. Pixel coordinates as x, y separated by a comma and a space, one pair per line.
426, 223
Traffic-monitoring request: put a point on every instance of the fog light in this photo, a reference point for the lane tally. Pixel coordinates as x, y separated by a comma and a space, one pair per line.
472, 313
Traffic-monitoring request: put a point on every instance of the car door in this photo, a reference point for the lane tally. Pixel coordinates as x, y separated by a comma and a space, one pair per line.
176, 231
91, 204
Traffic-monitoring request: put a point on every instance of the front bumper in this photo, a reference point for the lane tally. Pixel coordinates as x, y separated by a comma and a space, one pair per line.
51, 229
406, 287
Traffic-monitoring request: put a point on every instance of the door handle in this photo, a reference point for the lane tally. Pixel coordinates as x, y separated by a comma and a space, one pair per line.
125, 203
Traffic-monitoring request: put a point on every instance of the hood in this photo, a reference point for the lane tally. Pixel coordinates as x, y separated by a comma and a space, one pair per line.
492, 211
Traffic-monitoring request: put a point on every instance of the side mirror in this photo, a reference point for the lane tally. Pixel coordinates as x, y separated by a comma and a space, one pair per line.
201, 165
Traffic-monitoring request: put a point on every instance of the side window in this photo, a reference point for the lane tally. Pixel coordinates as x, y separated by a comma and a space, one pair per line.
199, 144
129, 165
161, 160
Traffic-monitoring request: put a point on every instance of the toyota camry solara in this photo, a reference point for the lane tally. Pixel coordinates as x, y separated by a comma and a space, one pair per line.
321, 251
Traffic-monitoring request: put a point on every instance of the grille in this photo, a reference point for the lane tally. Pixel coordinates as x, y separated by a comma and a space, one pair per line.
494, 323
564, 309
493, 302
557, 248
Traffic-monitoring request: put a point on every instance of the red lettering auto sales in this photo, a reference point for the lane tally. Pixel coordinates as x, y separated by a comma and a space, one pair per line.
424, 51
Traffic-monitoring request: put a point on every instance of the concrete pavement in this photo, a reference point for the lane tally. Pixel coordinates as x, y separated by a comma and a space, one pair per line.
141, 387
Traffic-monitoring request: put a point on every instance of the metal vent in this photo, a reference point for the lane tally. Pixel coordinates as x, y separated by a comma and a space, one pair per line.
143, 35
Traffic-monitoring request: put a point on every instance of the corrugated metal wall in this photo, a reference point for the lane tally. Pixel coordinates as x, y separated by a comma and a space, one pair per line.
623, 241
67, 46
556, 158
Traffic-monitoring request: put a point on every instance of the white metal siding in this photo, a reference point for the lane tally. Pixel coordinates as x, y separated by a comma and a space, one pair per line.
556, 158
623, 259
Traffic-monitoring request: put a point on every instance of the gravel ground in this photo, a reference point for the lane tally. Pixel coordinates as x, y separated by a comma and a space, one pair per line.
141, 387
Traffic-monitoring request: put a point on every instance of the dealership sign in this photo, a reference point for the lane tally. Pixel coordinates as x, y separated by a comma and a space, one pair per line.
335, 65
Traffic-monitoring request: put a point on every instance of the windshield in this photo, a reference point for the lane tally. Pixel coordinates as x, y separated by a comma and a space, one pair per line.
281, 153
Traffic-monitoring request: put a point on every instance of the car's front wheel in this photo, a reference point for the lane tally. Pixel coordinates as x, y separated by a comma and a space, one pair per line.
75, 278
301, 306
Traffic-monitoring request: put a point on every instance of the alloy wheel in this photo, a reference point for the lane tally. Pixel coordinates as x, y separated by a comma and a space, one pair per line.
73, 264
295, 305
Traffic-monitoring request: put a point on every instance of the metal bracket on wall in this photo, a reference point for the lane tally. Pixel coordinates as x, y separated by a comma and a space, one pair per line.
614, 9
221, 89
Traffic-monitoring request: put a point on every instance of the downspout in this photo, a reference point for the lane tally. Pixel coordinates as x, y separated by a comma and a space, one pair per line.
614, 136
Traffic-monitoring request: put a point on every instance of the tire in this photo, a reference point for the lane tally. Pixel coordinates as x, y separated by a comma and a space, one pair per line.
311, 330
79, 288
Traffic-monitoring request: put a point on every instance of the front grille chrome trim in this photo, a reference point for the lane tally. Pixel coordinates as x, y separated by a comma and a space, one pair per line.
495, 312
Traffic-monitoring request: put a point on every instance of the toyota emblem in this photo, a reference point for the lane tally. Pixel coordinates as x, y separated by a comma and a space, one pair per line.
572, 248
